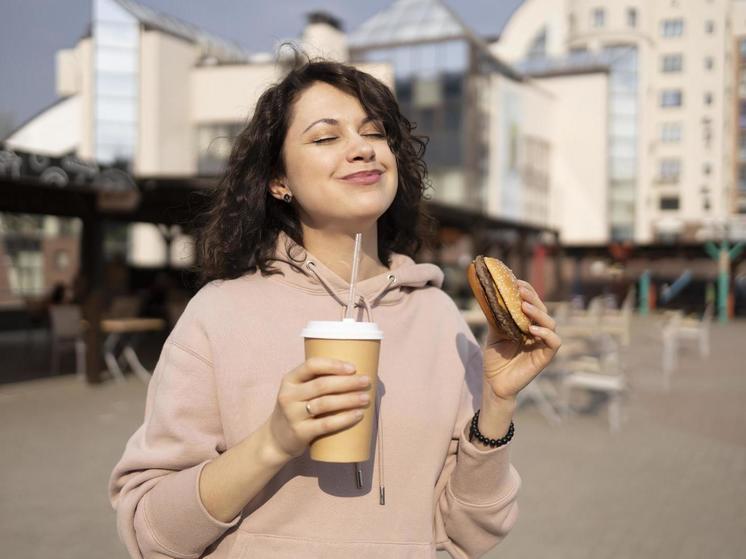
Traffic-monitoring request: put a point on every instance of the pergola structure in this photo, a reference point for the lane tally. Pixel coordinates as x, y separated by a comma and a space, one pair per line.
69, 187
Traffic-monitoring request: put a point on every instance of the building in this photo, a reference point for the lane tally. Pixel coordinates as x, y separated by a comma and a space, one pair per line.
155, 95
162, 98
674, 145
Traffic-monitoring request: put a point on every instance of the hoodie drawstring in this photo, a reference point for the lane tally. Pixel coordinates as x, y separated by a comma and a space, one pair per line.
362, 301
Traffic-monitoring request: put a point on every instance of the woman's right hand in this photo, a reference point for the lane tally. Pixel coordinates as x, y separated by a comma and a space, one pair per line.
336, 397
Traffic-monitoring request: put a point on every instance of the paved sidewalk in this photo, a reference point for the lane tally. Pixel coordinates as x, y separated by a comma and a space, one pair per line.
671, 484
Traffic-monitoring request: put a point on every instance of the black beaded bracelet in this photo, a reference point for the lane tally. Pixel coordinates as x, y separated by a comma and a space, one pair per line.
494, 443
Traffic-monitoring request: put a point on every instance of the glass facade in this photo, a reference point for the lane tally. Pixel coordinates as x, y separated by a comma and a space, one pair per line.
407, 21
116, 82
431, 85
623, 136
214, 144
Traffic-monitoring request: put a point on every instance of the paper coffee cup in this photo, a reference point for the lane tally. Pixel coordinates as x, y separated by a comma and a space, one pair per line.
360, 344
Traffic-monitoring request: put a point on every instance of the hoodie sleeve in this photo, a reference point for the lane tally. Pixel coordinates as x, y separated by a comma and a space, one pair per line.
475, 494
155, 486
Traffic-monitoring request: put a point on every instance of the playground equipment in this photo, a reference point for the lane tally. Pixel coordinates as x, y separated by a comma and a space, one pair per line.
670, 293
724, 256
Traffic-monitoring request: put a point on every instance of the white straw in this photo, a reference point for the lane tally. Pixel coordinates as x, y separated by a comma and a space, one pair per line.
353, 279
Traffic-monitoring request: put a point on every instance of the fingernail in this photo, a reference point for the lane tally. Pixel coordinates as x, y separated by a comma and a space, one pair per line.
533, 328
349, 367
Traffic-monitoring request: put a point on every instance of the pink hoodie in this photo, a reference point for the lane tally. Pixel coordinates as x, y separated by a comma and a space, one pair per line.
216, 382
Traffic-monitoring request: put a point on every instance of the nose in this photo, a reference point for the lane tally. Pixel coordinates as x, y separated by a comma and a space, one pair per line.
361, 149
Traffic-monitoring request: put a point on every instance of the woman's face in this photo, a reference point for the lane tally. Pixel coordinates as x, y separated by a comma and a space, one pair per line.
338, 164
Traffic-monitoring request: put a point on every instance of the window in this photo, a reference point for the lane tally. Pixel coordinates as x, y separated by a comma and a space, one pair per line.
214, 144
671, 98
671, 132
709, 27
671, 63
708, 98
631, 17
709, 63
707, 131
571, 23
538, 48
706, 203
672, 27
580, 53
669, 170
742, 86
742, 147
599, 17
669, 203
742, 48
61, 260
427, 93
706, 169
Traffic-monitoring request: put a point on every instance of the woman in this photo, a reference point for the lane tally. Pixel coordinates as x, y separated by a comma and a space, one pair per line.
220, 466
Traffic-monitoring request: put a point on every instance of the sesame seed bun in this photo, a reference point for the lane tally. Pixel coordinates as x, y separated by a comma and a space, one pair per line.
496, 290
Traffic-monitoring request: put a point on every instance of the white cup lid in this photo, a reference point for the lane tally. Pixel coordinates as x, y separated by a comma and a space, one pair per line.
347, 329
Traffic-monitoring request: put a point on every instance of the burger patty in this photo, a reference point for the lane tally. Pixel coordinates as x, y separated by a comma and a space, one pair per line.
499, 311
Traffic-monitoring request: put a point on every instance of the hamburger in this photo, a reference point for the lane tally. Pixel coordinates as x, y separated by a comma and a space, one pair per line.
496, 289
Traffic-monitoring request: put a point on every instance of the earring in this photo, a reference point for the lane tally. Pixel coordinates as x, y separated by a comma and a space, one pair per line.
288, 197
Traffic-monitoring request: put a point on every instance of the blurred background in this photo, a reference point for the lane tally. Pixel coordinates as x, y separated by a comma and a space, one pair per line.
598, 148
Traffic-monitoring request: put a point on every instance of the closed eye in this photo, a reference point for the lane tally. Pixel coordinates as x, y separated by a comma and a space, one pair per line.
375, 135
324, 140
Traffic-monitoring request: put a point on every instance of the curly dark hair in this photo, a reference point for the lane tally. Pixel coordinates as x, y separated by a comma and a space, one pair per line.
243, 221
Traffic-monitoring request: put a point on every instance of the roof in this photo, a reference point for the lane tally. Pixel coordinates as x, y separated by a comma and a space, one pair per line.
409, 21
421, 21
574, 63
223, 50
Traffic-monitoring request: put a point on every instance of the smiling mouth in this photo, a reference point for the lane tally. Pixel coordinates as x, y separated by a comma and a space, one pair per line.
364, 178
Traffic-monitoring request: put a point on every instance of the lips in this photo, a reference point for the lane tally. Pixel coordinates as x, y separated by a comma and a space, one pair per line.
363, 177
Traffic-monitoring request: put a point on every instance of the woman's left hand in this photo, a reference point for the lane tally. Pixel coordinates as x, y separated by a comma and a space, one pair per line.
509, 366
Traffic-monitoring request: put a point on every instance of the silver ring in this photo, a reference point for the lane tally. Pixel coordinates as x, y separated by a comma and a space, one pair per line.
308, 408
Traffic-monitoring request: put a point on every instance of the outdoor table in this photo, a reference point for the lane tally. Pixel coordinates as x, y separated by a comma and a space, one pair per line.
118, 329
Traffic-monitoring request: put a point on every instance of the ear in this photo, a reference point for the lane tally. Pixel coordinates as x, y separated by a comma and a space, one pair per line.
277, 188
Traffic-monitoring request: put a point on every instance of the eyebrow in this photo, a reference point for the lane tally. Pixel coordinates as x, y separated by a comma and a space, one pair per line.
334, 122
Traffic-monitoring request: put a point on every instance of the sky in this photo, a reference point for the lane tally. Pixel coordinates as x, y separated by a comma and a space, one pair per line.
31, 31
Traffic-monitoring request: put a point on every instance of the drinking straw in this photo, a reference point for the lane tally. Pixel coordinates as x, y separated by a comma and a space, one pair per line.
353, 279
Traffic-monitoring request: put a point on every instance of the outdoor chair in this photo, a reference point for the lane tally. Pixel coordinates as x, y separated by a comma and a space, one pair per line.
67, 333
697, 330
599, 374
582, 323
536, 391
619, 322
677, 329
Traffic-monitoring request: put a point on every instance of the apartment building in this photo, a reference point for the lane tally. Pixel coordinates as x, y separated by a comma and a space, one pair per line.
673, 138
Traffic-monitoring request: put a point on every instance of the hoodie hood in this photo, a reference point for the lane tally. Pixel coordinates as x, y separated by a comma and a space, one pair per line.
304, 271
